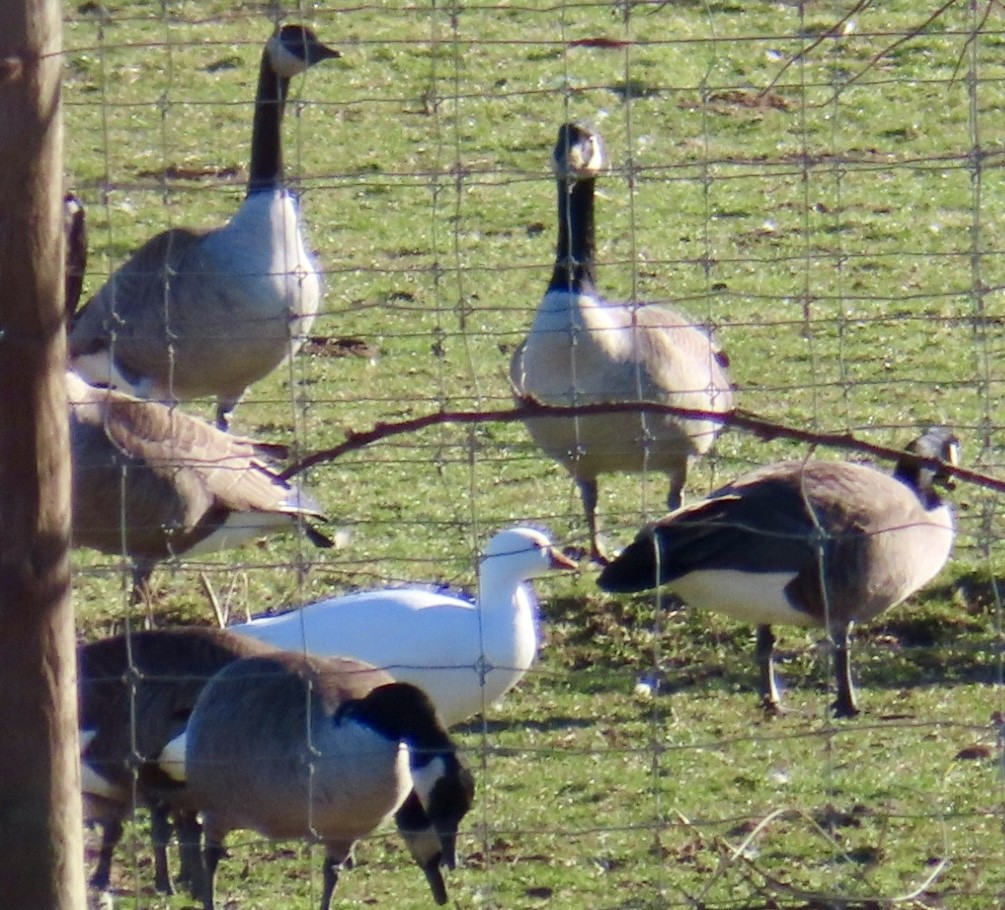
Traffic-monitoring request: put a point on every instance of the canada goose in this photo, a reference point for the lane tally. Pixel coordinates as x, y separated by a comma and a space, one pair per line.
196, 312
294, 746
152, 482
808, 543
463, 655
135, 694
75, 234
583, 349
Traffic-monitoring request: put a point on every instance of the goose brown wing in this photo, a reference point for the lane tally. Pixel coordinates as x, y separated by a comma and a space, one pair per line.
767, 522
231, 469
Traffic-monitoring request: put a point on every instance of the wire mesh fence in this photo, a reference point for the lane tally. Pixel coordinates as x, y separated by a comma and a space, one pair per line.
817, 185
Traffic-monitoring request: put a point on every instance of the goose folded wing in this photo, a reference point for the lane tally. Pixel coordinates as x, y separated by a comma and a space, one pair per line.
764, 528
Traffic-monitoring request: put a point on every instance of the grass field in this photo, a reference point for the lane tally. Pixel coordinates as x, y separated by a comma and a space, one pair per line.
823, 187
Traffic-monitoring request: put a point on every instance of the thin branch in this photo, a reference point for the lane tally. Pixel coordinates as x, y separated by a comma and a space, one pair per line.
907, 36
761, 427
813, 45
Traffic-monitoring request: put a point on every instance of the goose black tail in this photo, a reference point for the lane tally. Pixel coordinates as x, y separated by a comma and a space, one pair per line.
316, 537
634, 569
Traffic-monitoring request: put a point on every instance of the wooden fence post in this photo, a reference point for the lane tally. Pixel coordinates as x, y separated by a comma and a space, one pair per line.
41, 857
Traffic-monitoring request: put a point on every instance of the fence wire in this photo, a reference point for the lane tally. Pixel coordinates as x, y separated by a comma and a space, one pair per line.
818, 185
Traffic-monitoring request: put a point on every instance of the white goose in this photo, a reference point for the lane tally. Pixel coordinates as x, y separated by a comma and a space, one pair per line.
583, 349
196, 313
465, 656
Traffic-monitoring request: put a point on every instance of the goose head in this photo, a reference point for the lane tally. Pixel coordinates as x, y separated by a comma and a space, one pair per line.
423, 843
922, 472
516, 555
579, 153
294, 49
442, 782
446, 789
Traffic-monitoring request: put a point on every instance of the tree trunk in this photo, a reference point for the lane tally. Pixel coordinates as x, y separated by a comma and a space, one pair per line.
41, 857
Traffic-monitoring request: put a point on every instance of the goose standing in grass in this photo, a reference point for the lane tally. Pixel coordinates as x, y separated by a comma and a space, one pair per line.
152, 482
136, 693
196, 313
583, 349
807, 543
464, 655
294, 746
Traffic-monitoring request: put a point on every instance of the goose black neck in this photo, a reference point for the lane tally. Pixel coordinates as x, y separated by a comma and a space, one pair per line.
266, 140
919, 479
400, 711
576, 248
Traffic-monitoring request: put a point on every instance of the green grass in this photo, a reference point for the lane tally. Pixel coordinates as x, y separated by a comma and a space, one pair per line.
851, 264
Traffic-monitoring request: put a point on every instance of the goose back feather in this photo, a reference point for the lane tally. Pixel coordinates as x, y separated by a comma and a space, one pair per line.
153, 482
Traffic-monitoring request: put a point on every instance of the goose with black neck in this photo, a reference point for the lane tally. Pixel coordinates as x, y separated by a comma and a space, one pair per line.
584, 349
208, 312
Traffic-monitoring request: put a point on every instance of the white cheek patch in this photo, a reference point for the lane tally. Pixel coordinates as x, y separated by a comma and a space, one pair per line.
285, 63
85, 737
172, 758
99, 369
425, 778
93, 784
594, 162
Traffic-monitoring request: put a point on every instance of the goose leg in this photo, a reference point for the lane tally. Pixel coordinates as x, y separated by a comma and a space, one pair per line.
212, 855
844, 705
160, 835
675, 495
765, 651
588, 493
140, 594
190, 869
335, 857
224, 408
111, 834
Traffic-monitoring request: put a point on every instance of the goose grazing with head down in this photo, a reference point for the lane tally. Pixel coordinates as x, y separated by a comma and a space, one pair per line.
152, 482
294, 746
808, 543
196, 313
135, 694
464, 655
583, 349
